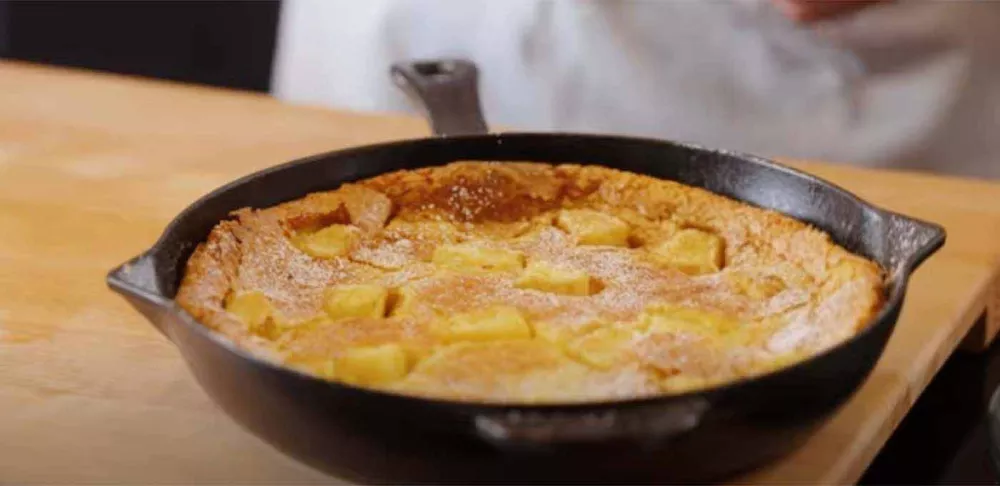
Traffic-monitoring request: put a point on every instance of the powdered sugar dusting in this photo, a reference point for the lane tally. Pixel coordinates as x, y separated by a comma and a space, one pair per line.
481, 210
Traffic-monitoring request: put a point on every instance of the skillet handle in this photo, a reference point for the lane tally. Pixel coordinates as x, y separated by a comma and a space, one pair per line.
910, 241
136, 280
447, 91
542, 430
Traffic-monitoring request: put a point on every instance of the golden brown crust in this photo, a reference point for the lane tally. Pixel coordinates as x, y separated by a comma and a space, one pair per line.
781, 289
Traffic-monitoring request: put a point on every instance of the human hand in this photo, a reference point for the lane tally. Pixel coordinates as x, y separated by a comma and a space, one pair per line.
817, 10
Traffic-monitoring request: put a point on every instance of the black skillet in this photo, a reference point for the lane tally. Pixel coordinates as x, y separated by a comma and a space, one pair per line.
370, 436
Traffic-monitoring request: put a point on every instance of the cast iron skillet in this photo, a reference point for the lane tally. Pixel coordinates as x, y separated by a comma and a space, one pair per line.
372, 436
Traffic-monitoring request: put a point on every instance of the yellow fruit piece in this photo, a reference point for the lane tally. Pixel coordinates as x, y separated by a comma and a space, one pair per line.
401, 301
471, 257
333, 241
593, 227
647, 233
374, 365
681, 320
490, 324
602, 348
756, 286
559, 333
251, 308
355, 301
692, 251
549, 278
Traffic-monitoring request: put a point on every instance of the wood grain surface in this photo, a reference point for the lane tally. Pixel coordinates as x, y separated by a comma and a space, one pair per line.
93, 166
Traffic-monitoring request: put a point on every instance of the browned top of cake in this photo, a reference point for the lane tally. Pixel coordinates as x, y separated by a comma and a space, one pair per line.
524, 282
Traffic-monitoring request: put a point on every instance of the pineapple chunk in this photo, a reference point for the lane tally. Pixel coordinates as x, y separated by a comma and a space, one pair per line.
682, 320
374, 365
401, 301
602, 348
648, 233
251, 308
593, 227
489, 324
561, 332
466, 256
692, 251
548, 278
355, 301
756, 286
333, 241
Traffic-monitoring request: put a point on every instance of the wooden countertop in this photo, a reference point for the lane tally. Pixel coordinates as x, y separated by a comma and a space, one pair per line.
93, 166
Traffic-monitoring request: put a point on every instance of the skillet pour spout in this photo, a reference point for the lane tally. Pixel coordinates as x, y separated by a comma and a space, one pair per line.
371, 436
138, 281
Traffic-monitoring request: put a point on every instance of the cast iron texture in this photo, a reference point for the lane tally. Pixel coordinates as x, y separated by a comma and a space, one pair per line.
372, 436
993, 424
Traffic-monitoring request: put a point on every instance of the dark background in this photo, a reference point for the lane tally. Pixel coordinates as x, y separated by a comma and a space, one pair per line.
219, 43
231, 44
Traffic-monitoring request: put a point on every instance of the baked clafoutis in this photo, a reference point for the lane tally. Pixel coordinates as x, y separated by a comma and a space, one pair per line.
511, 282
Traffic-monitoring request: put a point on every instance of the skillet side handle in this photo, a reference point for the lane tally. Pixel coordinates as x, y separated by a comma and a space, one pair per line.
447, 91
136, 280
911, 241
542, 430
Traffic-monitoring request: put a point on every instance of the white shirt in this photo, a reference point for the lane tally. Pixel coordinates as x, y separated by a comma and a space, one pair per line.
903, 84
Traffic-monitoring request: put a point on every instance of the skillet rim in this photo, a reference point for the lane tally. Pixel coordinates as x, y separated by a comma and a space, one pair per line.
899, 278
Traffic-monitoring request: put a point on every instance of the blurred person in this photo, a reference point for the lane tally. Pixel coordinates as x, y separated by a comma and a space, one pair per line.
901, 84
